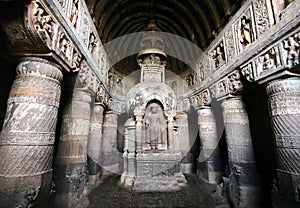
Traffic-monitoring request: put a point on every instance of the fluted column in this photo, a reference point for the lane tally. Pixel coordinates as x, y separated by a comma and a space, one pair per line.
109, 154
71, 159
209, 162
94, 143
284, 107
245, 187
28, 134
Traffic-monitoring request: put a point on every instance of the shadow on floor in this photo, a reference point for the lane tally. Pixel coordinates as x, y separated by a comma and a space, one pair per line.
109, 194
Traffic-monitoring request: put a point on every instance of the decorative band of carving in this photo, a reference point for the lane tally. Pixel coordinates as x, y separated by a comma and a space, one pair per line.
39, 67
284, 109
80, 96
29, 89
233, 103
287, 141
25, 160
27, 138
289, 160
39, 100
72, 149
289, 86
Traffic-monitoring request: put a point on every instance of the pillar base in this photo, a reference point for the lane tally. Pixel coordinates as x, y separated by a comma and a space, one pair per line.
27, 191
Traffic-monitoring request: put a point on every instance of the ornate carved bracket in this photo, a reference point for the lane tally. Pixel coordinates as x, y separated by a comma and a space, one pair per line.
229, 85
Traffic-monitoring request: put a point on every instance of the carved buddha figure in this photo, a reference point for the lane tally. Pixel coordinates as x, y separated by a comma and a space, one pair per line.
155, 125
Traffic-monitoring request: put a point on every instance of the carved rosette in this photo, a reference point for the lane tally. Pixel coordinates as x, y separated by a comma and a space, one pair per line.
284, 106
28, 134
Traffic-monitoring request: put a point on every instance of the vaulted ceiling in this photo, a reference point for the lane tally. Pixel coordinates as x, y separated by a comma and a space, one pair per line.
198, 21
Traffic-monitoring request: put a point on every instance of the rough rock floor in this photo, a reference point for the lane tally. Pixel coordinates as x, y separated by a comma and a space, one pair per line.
196, 194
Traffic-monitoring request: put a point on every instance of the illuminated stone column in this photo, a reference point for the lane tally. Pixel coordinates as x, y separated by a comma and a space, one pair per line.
71, 160
209, 164
28, 134
245, 187
284, 107
94, 143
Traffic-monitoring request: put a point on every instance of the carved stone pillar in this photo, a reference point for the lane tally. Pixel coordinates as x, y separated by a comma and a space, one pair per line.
139, 132
129, 153
171, 144
284, 106
28, 134
109, 155
245, 189
94, 143
183, 142
71, 159
210, 166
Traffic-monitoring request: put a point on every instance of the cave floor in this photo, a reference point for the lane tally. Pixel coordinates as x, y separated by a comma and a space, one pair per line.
109, 194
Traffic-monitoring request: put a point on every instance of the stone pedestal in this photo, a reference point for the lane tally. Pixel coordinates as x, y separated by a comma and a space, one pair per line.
158, 172
245, 188
284, 105
28, 134
71, 160
209, 164
94, 143
109, 154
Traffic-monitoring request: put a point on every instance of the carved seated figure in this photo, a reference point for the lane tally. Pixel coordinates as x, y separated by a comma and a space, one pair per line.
155, 126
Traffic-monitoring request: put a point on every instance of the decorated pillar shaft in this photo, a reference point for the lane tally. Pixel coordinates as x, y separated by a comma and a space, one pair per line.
139, 133
28, 134
284, 106
94, 142
171, 144
245, 187
109, 155
71, 159
210, 166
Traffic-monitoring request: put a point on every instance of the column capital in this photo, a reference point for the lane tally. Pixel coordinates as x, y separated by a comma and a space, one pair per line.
230, 85
35, 66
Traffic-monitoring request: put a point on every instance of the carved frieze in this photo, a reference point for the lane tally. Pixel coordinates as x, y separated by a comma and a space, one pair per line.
231, 84
291, 50
44, 24
74, 12
248, 72
116, 105
230, 49
269, 60
65, 5
218, 56
205, 98
244, 29
261, 13
283, 55
87, 77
